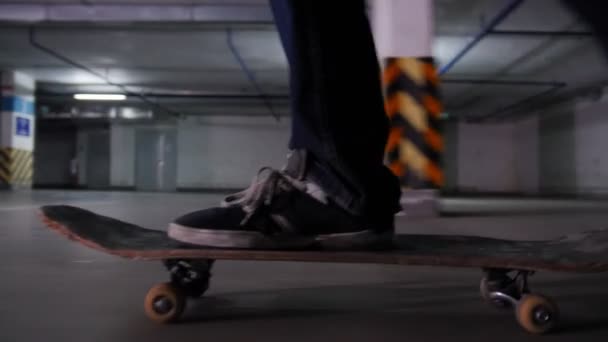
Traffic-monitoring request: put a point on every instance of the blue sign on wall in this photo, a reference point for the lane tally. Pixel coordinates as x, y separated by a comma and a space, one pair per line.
23, 127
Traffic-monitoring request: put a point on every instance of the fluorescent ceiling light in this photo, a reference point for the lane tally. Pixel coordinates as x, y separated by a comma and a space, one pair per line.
101, 97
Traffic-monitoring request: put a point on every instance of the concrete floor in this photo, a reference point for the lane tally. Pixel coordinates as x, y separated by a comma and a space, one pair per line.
55, 290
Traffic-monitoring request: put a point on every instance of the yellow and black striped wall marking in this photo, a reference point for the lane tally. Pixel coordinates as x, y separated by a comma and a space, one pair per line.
16, 167
415, 143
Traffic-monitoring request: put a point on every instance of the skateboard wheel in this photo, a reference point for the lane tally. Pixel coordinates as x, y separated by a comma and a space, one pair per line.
537, 314
164, 303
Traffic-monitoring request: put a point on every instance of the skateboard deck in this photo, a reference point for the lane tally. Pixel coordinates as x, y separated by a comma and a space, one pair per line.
584, 252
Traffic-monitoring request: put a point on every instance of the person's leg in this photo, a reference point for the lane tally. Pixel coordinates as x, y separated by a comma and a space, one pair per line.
299, 74
335, 191
593, 12
337, 104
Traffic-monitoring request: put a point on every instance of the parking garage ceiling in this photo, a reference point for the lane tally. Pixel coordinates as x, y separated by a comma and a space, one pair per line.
540, 52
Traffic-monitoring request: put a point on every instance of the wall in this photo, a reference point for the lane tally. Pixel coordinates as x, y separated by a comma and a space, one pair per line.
591, 137
492, 158
550, 152
226, 152
82, 142
526, 145
560, 151
17, 129
17, 107
214, 152
122, 156
58, 145
573, 140
93, 157
98, 159
557, 169
156, 156
53, 157
486, 158
450, 155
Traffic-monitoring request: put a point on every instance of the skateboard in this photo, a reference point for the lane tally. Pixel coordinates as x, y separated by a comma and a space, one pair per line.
506, 264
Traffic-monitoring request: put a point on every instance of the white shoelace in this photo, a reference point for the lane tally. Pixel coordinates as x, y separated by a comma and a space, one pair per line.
261, 192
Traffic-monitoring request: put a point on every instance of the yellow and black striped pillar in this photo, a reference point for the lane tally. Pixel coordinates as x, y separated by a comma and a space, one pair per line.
415, 144
15, 167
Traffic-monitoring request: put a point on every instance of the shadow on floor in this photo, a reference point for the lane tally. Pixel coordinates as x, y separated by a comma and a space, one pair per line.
582, 311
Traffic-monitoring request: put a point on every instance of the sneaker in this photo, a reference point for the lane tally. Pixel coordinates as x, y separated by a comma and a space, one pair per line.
279, 211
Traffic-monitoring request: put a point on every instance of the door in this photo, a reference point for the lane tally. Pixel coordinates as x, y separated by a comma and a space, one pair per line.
98, 159
156, 160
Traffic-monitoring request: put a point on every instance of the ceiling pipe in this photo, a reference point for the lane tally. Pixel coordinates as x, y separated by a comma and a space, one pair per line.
541, 33
500, 112
491, 25
497, 82
34, 43
501, 82
565, 97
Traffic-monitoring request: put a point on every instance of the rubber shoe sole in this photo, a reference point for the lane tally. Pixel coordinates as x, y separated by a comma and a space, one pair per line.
230, 239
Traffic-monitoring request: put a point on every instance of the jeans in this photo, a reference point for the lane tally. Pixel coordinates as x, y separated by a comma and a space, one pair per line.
593, 12
337, 105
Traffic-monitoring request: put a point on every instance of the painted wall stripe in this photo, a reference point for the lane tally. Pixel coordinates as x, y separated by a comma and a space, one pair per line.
410, 155
403, 84
413, 68
412, 112
17, 104
397, 168
391, 73
418, 139
16, 167
432, 106
434, 139
430, 73
415, 144
4, 178
394, 137
435, 174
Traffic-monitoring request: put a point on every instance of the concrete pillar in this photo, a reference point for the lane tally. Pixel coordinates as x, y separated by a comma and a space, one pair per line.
404, 33
17, 128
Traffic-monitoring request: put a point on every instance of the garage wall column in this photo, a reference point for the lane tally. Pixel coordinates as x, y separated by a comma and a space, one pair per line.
404, 33
17, 128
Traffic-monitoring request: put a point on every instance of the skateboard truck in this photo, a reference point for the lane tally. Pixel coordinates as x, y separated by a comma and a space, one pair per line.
534, 312
502, 288
191, 276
